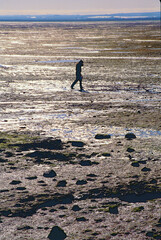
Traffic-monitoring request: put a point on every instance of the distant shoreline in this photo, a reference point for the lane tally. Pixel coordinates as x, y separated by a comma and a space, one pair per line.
150, 16
70, 21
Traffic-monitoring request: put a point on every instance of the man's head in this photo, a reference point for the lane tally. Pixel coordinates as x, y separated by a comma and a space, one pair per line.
81, 62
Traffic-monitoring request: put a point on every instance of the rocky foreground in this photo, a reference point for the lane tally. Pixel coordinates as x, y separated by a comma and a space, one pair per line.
109, 188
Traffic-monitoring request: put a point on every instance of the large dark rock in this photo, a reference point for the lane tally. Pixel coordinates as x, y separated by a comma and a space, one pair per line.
62, 183
51, 144
85, 163
102, 136
91, 175
15, 182
129, 149
145, 169
2, 160
77, 143
49, 174
5, 213
76, 208
135, 164
57, 234
130, 136
106, 154
81, 182
9, 154
113, 209
81, 219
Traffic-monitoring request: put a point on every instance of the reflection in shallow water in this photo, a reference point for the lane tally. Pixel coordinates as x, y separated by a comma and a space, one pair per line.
89, 132
59, 61
60, 115
143, 40
146, 100
147, 133
102, 57
126, 57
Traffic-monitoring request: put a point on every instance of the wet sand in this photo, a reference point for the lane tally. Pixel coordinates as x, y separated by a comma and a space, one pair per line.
114, 181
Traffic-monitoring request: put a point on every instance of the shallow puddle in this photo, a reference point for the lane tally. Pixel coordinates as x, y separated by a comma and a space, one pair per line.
125, 57
60, 61
88, 133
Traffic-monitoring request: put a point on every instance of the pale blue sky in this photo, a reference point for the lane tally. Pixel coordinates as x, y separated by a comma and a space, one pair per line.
77, 6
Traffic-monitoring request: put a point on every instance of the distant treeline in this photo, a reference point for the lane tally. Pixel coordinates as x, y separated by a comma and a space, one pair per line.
76, 18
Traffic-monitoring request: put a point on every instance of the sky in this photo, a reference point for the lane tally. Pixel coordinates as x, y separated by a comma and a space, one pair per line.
31, 7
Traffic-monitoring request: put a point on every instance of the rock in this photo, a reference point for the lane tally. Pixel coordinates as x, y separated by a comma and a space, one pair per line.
77, 143
21, 188
63, 207
149, 234
98, 220
57, 234
85, 163
106, 154
113, 209
135, 164
49, 174
130, 150
145, 169
52, 210
130, 136
15, 182
51, 144
81, 219
5, 213
91, 175
2, 160
9, 154
95, 163
91, 179
62, 183
102, 136
130, 157
81, 182
4, 190
76, 208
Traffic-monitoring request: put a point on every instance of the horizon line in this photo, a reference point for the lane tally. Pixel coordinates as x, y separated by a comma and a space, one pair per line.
79, 14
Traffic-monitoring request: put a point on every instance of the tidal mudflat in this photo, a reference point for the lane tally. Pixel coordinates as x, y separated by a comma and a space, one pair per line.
84, 164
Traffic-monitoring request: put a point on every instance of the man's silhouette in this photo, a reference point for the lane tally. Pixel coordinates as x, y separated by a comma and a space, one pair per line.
79, 76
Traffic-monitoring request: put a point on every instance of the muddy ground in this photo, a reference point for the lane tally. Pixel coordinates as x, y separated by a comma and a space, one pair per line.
88, 162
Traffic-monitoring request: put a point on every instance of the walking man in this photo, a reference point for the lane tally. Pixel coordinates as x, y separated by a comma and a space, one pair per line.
79, 76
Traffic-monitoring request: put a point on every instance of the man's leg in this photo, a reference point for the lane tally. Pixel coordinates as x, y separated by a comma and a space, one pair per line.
80, 81
72, 86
